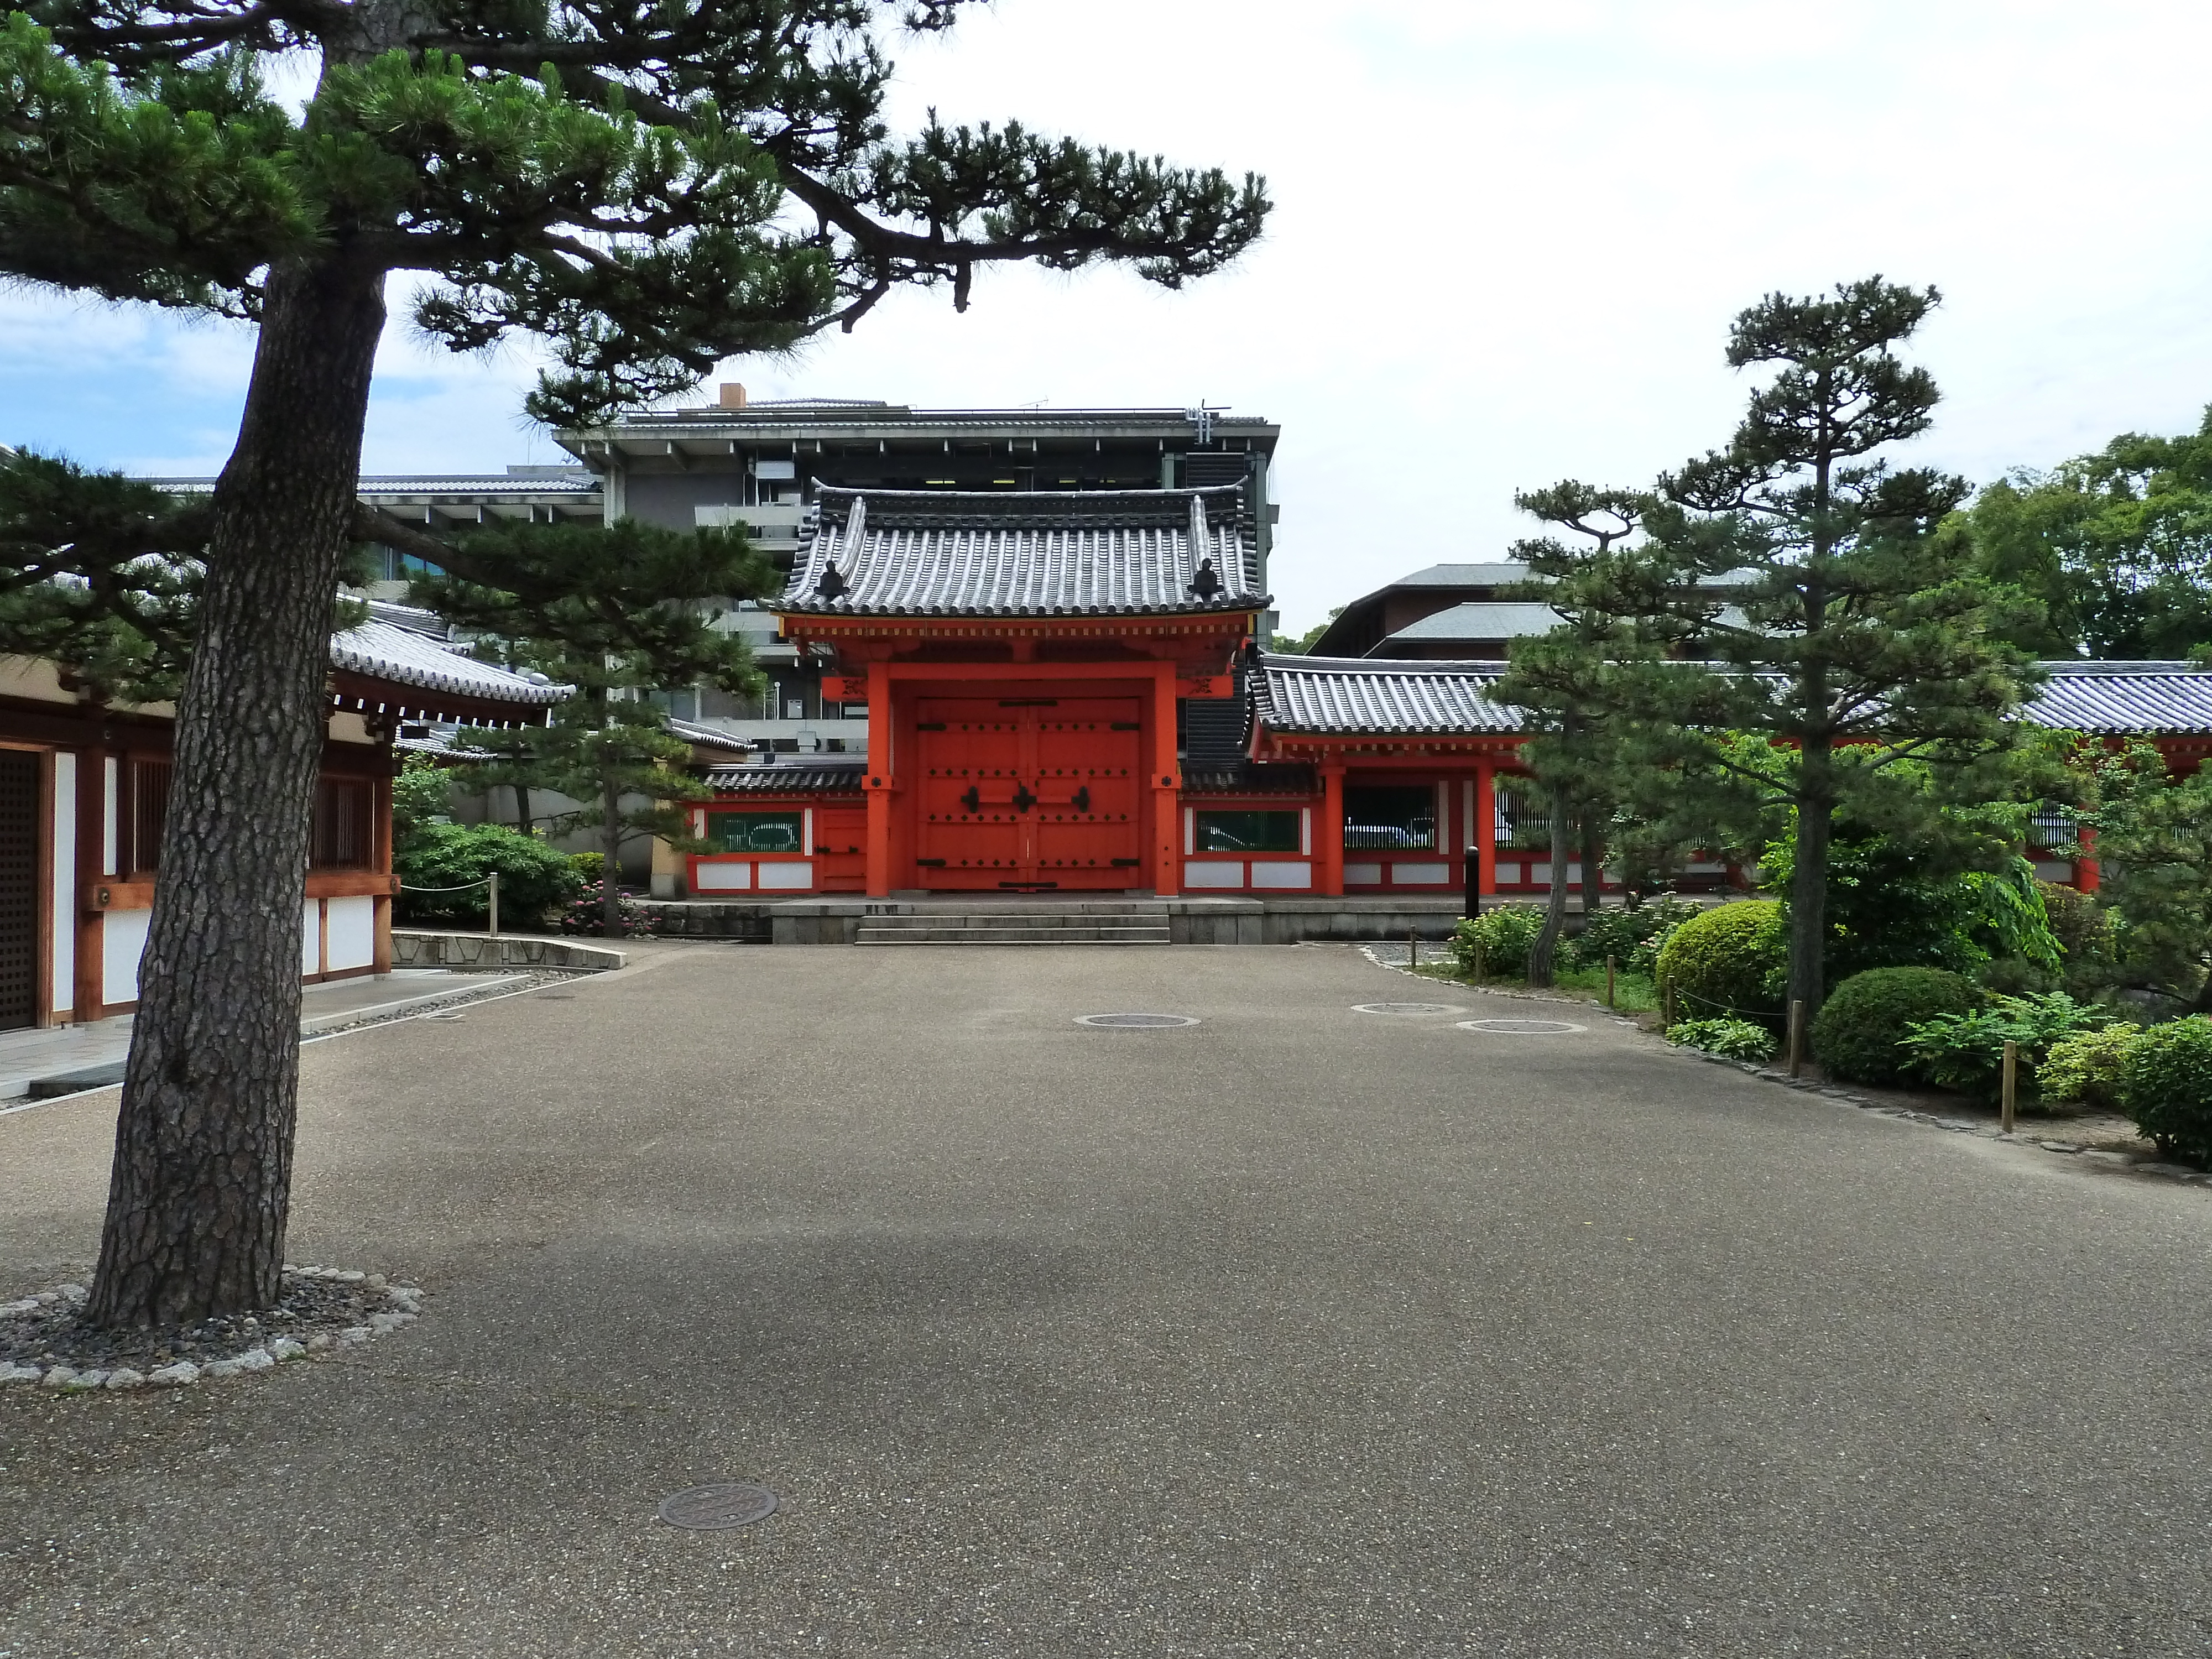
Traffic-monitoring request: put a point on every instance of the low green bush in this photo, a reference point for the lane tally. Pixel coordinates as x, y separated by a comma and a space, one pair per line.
1737, 1039
1733, 959
2089, 1066
1631, 938
1965, 1052
532, 877
587, 865
2168, 1089
1856, 1033
1500, 937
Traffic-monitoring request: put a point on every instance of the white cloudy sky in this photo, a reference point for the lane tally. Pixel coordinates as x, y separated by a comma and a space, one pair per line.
1507, 242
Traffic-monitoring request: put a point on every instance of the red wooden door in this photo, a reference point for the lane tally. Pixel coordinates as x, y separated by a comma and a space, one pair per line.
1026, 792
1088, 771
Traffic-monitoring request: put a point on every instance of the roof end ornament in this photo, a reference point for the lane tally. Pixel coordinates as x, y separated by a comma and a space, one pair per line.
1208, 583
830, 584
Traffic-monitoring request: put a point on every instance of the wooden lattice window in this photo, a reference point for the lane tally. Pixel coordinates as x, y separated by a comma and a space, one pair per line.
149, 810
343, 838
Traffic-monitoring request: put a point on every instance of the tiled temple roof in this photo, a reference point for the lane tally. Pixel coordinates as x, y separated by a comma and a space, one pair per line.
2113, 698
1362, 696
812, 777
1375, 697
385, 652
1029, 553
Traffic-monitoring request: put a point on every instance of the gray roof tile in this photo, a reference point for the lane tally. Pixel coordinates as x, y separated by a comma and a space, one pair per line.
2117, 697
1365, 696
406, 658
803, 778
1030, 553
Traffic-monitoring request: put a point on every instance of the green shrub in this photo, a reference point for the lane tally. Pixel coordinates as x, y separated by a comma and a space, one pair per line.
587, 865
1857, 1031
2083, 928
1631, 938
2167, 1089
587, 913
1733, 959
532, 877
2090, 1066
1738, 1039
1965, 1051
1504, 935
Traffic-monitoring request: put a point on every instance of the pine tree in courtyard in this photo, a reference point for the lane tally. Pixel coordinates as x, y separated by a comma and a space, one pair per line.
1810, 596
649, 190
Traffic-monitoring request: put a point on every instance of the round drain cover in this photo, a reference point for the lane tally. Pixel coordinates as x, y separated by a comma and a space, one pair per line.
1404, 1008
724, 1504
1142, 1020
1520, 1027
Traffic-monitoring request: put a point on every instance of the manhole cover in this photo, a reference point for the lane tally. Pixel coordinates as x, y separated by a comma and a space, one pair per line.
1520, 1027
1404, 1008
724, 1504
1147, 1020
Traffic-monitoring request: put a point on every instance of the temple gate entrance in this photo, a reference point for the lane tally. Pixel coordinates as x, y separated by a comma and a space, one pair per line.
1023, 793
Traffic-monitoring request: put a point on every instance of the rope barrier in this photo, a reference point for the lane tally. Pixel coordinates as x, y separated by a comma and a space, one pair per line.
481, 882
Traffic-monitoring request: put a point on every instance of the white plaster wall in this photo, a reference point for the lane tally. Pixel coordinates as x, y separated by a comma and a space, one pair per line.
311, 939
122, 942
64, 907
796, 875
1269, 873
723, 877
353, 932
1211, 873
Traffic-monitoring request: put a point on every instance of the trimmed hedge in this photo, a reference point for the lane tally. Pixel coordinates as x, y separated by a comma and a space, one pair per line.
1733, 959
1856, 1032
2091, 1066
2168, 1089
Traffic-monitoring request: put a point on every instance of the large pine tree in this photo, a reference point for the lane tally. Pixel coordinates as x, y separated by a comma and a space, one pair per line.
649, 190
1809, 595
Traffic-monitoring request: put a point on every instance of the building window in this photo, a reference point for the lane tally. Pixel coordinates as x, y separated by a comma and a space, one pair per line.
755, 832
342, 839
150, 809
1391, 820
1249, 832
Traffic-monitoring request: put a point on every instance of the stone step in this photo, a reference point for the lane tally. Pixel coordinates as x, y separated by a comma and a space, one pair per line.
1021, 918
973, 930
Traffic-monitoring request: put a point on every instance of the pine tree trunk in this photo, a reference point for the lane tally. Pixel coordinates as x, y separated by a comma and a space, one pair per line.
611, 872
1542, 953
1593, 866
202, 1177
522, 807
1808, 876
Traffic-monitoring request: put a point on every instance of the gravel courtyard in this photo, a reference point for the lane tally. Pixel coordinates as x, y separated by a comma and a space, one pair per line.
1299, 1331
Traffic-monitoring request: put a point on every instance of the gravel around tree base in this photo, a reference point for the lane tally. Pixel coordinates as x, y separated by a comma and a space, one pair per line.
44, 1339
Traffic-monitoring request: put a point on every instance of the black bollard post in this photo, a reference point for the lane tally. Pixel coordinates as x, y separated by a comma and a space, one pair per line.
1473, 882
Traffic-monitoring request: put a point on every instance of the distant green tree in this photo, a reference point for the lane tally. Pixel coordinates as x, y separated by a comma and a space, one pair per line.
1305, 642
1850, 622
2116, 545
617, 614
2154, 855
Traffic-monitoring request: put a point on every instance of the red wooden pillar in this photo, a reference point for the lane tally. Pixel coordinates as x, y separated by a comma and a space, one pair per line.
2085, 866
1328, 834
1486, 823
880, 780
1167, 786
93, 786
379, 823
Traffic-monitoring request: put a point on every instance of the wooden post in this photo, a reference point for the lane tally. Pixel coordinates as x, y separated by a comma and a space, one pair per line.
1608, 982
492, 899
1477, 960
1413, 948
2011, 1095
1796, 1038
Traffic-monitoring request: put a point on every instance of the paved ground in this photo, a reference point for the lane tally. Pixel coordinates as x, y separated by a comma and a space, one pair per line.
1297, 1331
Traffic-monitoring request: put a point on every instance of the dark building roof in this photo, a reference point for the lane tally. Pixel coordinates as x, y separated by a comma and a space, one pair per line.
1030, 553
2115, 698
1365, 696
812, 777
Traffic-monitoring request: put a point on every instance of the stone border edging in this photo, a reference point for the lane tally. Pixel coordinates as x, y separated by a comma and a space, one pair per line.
406, 1307
2157, 1169
424, 948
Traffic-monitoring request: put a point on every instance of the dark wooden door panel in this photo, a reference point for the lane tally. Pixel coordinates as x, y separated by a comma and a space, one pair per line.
19, 889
